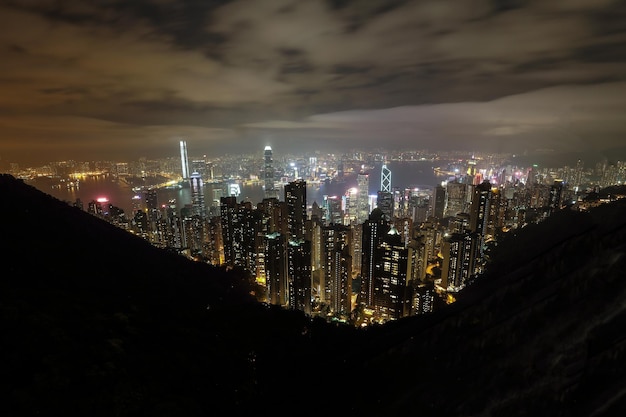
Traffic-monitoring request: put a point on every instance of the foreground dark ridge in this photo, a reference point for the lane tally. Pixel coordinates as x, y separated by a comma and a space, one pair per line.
95, 321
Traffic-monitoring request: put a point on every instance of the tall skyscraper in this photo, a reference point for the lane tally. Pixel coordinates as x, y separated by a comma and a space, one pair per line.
439, 202
373, 229
337, 283
299, 275
295, 198
556, 196
229, 222
458, 251
197, 195
363, 207
385, 179
276, 269
152, 204
391, 275
332, 210
270, 187
385, 203
184, 160
456, 199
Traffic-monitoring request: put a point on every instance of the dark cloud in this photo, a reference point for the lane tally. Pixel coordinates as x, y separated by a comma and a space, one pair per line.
249, 68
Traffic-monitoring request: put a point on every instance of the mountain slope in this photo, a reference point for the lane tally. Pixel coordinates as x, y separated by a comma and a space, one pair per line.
95, 321
544, 333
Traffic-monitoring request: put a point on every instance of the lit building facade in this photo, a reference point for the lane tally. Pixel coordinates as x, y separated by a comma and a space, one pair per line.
268, 174
184, 160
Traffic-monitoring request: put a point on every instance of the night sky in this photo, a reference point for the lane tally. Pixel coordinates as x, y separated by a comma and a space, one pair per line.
95, 80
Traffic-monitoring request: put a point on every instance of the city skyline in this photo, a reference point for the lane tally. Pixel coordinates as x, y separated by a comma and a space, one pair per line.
116, 81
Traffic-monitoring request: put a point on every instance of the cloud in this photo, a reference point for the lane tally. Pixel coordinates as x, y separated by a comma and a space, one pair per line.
569, 116
343, 73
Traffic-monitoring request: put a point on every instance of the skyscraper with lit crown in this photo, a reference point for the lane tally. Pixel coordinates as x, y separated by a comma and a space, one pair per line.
184, 160
270, 187
385, 179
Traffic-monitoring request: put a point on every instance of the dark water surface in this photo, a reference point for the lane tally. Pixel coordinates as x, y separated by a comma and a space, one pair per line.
409, 174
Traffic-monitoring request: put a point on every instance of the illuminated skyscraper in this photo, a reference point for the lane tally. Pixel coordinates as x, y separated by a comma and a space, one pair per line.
152, 205
373, 228
270, 187
276, 269
337, 285
184, 160
299, 275
230, 226
456, 199
459, 261
385, 203
197, 195
391, 274
332, 210
363, 207
385, 179
556, 196
439, 202
295, 198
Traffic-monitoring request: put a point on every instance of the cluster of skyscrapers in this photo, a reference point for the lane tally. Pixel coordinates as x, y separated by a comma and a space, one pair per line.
354, 258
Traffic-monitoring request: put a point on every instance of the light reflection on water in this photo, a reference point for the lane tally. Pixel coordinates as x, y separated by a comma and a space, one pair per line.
404, 175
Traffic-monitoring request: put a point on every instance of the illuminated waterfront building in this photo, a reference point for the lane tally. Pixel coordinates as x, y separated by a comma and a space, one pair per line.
184, 160
270, 187
385, 179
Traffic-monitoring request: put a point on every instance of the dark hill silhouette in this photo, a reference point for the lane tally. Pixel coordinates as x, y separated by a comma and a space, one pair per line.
95, 321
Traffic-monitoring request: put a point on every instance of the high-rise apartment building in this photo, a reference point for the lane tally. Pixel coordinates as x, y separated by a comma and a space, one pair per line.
372, 231
337, 269
458, 251
276, 269
391, 275
295, 198
299, 275
439, 202
456, 198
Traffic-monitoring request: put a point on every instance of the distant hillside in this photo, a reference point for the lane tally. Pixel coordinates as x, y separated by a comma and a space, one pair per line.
98, 322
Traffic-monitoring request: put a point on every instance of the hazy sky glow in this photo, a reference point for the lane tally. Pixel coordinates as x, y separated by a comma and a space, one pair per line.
109, 79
